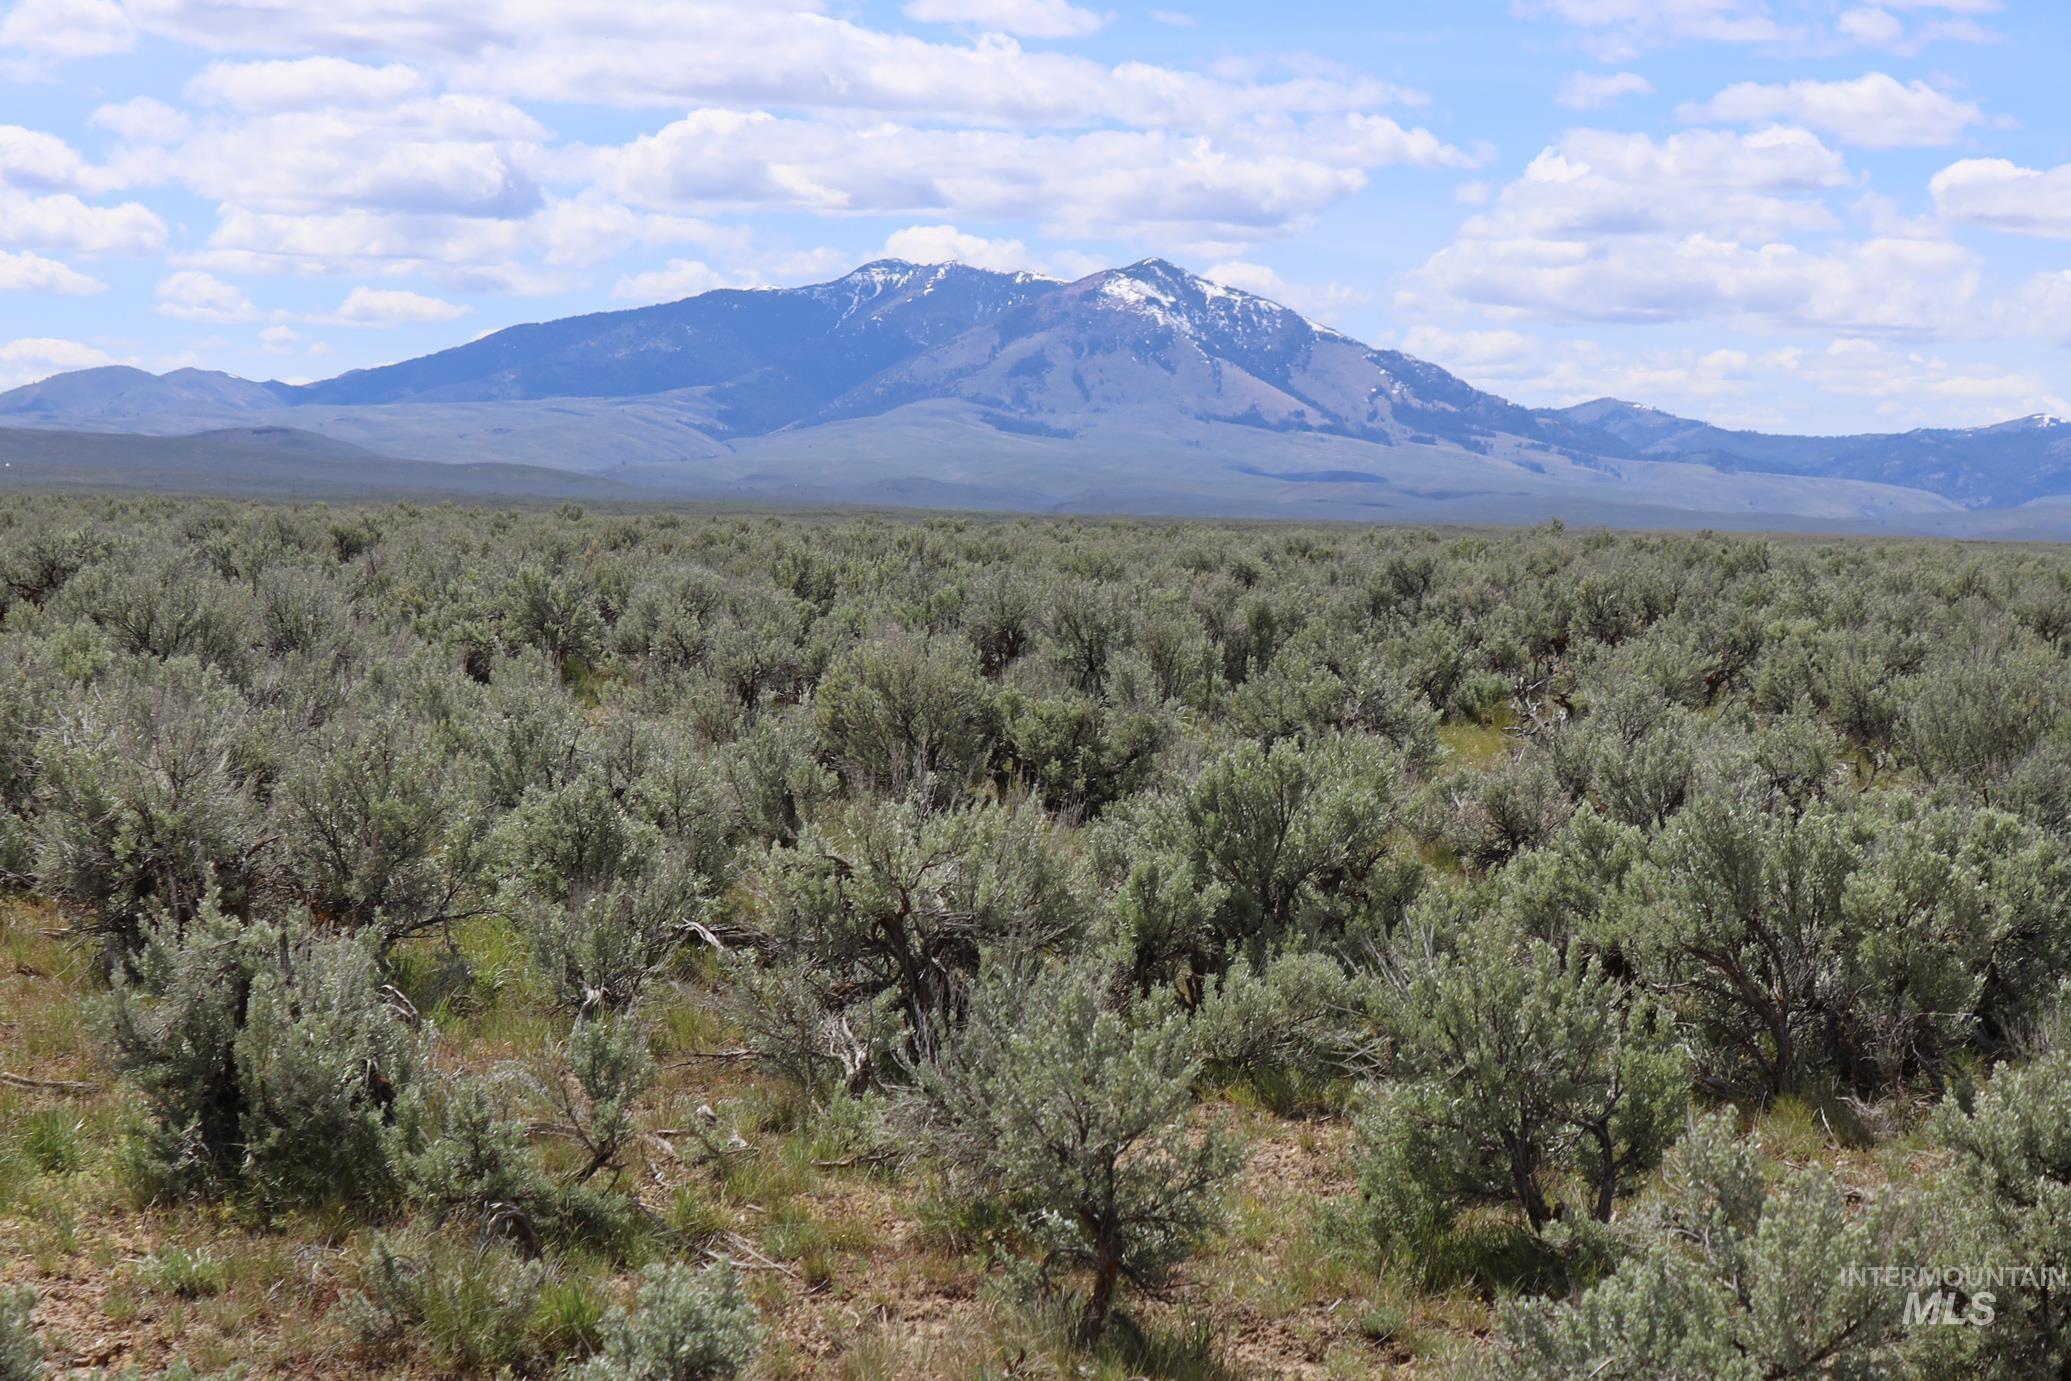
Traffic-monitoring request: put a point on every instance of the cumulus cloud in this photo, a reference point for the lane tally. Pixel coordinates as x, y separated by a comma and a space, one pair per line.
1474, 352
1923, 388
24, 272
1875, 111
141, 120
1595, 183
1026, 18
396, 307
1897, 386
459, 155
1108, 183
527, 256
38, 357
63, 221
409, 151
303, 84
1598, 90
2041, 307
1700, 226
940, 244
38, 161
2006, 196
676, 279
1883, 284
191, 295
1324, 302
67, 28
1881, 25
1618, 30
725, 52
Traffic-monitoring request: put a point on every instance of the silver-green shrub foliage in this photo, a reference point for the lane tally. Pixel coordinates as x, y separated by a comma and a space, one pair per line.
1517, 1067
2010, 1182
21, 1356
685, 1325
268, 1060
1052, 1104
1733, 1276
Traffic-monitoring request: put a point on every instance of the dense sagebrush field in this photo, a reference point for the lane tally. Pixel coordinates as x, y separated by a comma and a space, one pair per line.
448, 942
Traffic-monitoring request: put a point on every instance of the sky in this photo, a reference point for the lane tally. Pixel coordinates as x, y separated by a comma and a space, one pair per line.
1807, 215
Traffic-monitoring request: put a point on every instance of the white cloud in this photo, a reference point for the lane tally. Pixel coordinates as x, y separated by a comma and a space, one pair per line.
303, 84
1872, 28
1026, 18
1596, 183
1596, 91
1876, 26
1699, 226
191, 295
141, 120
679, 278
36, 160
1618, 30
1884, 284
527, 256
1875, 111
396, 307
2006, 196
1324, 302
723, 52
1920, 388
2042, 307
67, 28
941, 244
1106, 183
26, 361
63, 221
1793, 388
458, 155
1471, 352
24, 272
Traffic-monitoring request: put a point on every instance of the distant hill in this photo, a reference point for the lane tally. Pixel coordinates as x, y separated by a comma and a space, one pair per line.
117, 393
1996, 466
266, 462
1137, 389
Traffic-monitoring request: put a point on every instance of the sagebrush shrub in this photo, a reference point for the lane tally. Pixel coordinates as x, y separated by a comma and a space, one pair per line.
1301, 1015
1514, 1069
597, 952
1733, 1275
2010, 1185
21, 1356
685, 1325
1052, 1103
145, 805
268, 1061
900, 900
466, 1306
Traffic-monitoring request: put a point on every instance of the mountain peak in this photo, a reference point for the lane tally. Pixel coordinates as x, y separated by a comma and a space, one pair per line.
882, 268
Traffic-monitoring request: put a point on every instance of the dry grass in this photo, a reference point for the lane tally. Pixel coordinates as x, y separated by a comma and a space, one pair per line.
850, 1263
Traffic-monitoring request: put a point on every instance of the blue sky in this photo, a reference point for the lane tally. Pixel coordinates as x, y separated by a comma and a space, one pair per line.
1805, 214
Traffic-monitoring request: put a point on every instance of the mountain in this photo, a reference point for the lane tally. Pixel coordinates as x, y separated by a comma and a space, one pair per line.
1981, 467
270, 462
1137, 389
760, 358
1152, 338
117, 393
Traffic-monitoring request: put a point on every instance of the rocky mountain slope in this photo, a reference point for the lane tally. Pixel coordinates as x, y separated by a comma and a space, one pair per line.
1140, 389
